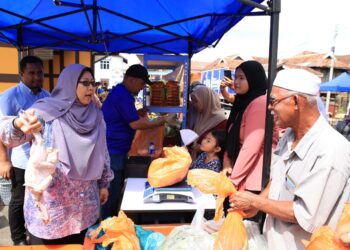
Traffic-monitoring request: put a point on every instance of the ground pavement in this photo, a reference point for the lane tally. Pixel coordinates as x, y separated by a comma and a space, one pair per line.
5, 239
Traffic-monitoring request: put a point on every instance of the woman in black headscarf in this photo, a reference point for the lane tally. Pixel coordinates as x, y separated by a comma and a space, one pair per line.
246, 128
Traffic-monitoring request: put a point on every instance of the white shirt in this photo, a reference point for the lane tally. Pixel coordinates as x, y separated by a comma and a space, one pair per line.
315, 176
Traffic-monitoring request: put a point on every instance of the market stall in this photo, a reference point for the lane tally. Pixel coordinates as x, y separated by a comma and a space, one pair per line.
178, 28
154, 28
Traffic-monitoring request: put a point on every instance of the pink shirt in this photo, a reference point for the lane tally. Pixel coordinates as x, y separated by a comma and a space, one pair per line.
247, 171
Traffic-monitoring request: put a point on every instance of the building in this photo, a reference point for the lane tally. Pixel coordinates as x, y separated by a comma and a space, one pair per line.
54, 62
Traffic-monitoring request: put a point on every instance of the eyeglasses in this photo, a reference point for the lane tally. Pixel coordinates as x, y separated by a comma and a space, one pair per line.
88, 83
273, 101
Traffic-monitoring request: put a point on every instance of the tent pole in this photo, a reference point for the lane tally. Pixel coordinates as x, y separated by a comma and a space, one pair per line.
273, 48
94, 21
190, 54
331, 69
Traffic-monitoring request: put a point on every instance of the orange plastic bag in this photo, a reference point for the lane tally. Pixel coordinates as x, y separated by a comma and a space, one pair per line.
171, 169
324, 238
117, 230
232, 234
142, 139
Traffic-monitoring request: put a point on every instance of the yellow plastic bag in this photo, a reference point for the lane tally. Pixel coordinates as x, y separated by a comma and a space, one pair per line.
117, 230
232, 234
171, 169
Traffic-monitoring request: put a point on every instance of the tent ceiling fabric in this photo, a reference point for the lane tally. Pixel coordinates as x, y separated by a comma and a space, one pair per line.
139, 26
338, 84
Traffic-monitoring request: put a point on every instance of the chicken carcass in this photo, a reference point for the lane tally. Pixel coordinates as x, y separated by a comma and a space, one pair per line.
39, 172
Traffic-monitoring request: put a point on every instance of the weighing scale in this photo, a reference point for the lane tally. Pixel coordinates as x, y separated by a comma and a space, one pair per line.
181, 192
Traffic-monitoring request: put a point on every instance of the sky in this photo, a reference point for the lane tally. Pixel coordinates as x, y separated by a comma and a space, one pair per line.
305, 25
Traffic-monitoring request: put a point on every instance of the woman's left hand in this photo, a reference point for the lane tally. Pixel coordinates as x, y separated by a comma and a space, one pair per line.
103, 195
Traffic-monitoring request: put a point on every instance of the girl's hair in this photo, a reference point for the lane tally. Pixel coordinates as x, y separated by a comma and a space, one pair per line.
220, 137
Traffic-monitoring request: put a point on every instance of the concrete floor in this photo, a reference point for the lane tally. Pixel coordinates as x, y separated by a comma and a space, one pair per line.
5, 239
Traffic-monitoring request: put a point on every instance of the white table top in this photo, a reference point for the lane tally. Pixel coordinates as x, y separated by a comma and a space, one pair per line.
133, 199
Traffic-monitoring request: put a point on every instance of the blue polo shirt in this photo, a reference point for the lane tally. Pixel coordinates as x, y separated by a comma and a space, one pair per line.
118, 111
17, 98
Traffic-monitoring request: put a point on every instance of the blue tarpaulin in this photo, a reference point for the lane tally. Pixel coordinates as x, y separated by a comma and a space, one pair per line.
131, 26
338, 84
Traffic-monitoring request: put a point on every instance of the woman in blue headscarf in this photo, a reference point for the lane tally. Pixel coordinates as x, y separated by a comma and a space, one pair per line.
70, 122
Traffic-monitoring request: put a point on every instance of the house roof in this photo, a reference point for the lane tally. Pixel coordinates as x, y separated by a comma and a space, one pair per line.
233, 61
315, 60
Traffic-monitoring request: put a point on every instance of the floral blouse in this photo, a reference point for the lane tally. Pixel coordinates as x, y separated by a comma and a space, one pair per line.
214, 165
73, 205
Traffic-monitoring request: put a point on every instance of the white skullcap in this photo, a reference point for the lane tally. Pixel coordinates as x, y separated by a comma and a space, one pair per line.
298, 80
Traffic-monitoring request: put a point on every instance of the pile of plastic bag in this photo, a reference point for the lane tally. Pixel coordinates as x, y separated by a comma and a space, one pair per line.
171, 169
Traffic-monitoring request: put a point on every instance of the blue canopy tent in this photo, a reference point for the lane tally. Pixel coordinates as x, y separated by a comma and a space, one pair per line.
135, 26
142, 26
338, 84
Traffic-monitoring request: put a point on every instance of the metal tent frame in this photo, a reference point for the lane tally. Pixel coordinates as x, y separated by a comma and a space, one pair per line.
175, 38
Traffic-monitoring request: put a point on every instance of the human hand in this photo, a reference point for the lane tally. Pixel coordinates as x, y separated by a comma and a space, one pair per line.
28, 122
211, 226
162, 119
227, 171
5, 169
243, 200
103, 195
227, 82
142, 112
96, 100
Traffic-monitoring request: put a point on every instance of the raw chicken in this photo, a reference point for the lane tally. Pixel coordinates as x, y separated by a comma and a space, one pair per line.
38, 175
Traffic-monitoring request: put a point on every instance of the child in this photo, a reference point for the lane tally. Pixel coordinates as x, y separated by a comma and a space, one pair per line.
213, 148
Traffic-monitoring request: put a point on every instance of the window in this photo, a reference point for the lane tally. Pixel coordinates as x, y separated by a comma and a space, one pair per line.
104, 64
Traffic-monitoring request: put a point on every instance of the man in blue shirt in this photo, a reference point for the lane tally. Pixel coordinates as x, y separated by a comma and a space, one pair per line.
12, 101
122, 119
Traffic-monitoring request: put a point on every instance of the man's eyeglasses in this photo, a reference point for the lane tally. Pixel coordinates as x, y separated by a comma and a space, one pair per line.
88, 83
274, 101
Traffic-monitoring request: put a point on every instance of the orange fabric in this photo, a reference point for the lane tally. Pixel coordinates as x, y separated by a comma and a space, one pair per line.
232, 234
171, 169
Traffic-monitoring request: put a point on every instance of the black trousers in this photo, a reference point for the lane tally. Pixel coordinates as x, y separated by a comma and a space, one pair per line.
111, 207
16, 216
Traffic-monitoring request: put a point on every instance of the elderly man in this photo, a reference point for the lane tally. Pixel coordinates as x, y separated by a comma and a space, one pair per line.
311, 167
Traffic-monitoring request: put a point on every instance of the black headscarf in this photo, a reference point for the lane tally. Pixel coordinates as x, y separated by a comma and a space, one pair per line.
257, 81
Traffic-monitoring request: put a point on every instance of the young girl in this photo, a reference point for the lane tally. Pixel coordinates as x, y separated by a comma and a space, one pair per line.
213, 148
